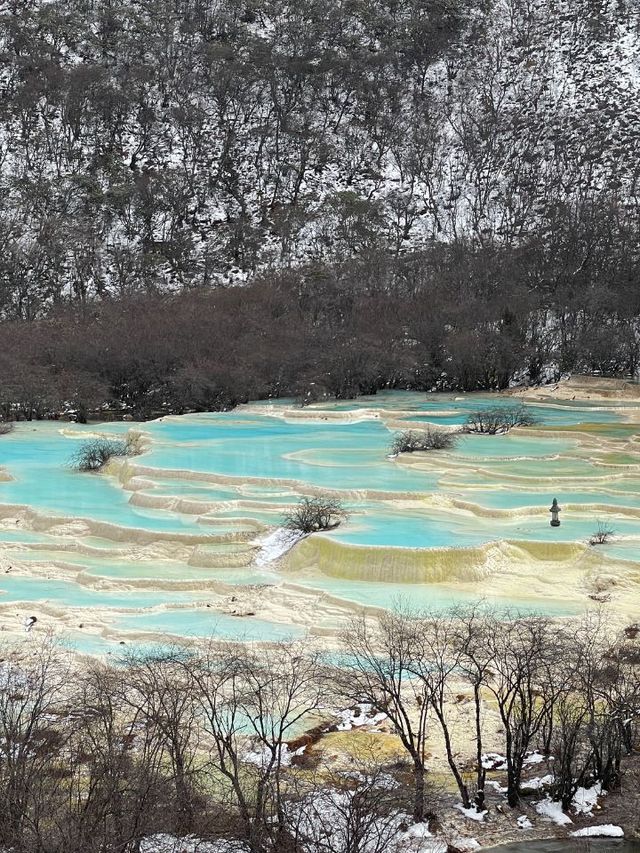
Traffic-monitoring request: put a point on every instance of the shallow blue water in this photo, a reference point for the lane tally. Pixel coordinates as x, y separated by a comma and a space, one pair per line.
428, 530
205, 623
504, 499
334, 455
352, 457
38, 459
544, 415
414, 596
420, 402
19, 588
510, 446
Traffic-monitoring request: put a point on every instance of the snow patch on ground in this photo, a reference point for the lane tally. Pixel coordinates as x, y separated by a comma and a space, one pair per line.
553, 810
262, 756
585, 799
605, 830
418, 839
472, 813
466, 845
384, 781
534, 758
538, 782
276, 544
359, 715
524, 822
494, 761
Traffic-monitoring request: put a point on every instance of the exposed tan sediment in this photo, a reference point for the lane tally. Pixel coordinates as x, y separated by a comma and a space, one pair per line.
185, 506
566, 573
399, 422
319, 554
145, 496
64, 525
211, 560
581, 387
397, 565
309, 413
553, 552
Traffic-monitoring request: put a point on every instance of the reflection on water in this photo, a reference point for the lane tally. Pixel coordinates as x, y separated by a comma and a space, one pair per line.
577, 845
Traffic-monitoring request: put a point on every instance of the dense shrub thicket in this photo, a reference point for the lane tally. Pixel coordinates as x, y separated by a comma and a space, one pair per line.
403, 190
438, 321
94, 454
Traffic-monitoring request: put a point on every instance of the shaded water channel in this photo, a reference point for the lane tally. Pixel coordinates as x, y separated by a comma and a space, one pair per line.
574, 845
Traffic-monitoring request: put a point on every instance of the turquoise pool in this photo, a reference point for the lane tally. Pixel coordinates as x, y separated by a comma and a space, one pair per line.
209, 483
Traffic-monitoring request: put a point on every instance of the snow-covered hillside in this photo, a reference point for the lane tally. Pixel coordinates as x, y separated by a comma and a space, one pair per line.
151, 143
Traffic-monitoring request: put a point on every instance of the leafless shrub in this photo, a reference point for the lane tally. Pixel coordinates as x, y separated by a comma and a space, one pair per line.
409, 441
313, 514
94, 455
602, 534
6, 427
498, 419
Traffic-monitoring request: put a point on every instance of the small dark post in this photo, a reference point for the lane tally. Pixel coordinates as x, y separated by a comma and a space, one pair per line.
554, 510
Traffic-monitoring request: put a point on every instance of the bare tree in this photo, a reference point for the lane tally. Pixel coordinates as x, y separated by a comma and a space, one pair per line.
115, 788
436, 663
524, 681
249, 702
608, 681
378, 668
32, 696
158, 694
570, 746
475, 661
356, 811
594, 716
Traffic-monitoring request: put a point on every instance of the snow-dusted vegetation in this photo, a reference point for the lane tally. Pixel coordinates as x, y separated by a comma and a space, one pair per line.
169, 144
377, 747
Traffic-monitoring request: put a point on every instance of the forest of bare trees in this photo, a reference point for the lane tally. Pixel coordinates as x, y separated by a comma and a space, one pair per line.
226, 740
320, 333
433, 194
